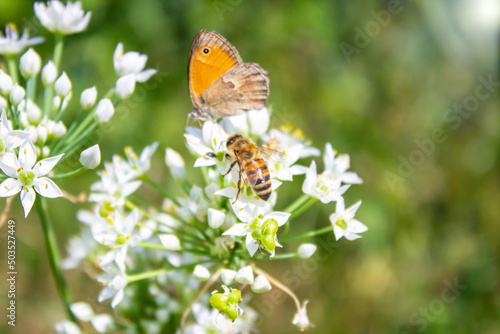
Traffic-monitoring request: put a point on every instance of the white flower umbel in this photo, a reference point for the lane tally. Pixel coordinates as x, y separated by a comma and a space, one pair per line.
26, 175
344, 224
208, 143
60, 19
63, 85
119, 237
259, 230
49, 73
115, 281
323, 187
336, 167
5, 83
301, 320
88, 97
175, 163
305, 251
248, 124
125, 86
200, 273
139, 165
261, 284
286, 139
67, 327
30, 63
9, 139
104, 111
12, 44
131, 63
91, 157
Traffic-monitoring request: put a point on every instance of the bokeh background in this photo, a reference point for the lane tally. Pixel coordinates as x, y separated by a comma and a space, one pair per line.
434, 220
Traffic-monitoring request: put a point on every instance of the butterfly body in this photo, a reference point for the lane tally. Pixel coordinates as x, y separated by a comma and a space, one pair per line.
220, 84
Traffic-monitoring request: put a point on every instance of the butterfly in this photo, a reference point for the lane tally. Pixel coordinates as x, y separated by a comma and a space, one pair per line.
220, 84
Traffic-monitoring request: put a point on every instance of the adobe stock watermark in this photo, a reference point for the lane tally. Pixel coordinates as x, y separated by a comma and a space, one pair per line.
452, 118
431, 311
223, 6
364, 36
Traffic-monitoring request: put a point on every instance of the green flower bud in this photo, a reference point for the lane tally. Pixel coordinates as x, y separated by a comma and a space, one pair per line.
269, 242
234, 296
270, 227
232, 312
219, 301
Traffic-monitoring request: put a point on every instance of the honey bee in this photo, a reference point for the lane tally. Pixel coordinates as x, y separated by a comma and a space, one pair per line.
250, 160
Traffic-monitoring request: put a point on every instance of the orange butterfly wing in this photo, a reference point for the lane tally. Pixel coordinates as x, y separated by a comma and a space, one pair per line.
210, 57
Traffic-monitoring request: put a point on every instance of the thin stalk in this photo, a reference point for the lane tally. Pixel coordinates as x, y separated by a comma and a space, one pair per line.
303, 208
309, 234
149, 274
285, 256
69, 174
56, 59
161, 190
188, 250
12, 68
54, 257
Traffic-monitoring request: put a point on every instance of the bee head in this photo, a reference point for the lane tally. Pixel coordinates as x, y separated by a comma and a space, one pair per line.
232, 139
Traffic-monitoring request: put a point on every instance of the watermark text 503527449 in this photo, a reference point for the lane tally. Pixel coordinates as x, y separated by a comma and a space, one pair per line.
11, 273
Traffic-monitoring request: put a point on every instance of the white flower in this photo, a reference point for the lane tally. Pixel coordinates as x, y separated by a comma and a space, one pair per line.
88, 97
301, 319
9, 139
49, 73
59, 130
11, 44
336, 168
170, 242
140, 164
261, 284
67, 327
30, 63
176, 164
215, 218
344, 224
5, 83
286, 139
248, 124
82, 311
323, 187
91, 157
102, 322
104, 111
60, 19
131, 63
227, 276
259, 230
17, 94
119, 237
78, 249
209, 143
115, 281
125, 86
3, 103
27, 176
305, 251
201, 273
63, 85
209, 321
244, 275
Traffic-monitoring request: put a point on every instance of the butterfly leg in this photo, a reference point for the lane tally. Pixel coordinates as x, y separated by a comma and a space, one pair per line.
231, 168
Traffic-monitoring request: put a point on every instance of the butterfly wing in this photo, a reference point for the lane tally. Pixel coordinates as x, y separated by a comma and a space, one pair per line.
242, 88
210, 57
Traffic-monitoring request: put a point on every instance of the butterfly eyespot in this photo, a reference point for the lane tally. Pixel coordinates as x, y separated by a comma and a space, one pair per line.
206, 50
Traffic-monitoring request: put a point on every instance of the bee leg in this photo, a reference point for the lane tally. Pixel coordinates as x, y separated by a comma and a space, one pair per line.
231, 168
239, 185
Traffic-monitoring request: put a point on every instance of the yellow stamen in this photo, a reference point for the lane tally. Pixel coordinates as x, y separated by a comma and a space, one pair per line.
19, 169
233, 184
6, 187
256, 197
110, 220
260, 216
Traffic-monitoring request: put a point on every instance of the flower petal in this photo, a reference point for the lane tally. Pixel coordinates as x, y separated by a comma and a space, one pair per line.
27, 155
43, 167
252, 245
27, 199
47, 188
10, 187
239, 229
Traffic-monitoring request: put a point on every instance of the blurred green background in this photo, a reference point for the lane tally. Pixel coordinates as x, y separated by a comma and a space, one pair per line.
433, 220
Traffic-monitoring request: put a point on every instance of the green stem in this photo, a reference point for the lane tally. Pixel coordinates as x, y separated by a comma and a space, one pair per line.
187, 250
54, 257
12, 67
309, 234
297, 203
285, 256
303, 208
295, 209
49, 90
153, 184
69, 174
141, 276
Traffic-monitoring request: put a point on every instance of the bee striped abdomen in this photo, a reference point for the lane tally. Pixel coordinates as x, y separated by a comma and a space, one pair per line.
258, 176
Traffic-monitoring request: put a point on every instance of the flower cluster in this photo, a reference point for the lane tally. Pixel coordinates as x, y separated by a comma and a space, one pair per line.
207, 235
33, 136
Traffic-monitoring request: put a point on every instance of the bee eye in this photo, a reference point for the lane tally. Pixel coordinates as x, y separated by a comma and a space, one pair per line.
206, 50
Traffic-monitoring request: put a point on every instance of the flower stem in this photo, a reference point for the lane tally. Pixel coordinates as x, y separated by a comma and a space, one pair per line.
297, 203
54, 257
69, 174
12, 66
285, 256
309, 234
141, 276
153, 184
49, 90
303, 208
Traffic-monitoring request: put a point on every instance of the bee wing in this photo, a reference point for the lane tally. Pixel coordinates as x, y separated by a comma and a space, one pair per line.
275, 156
242, 88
